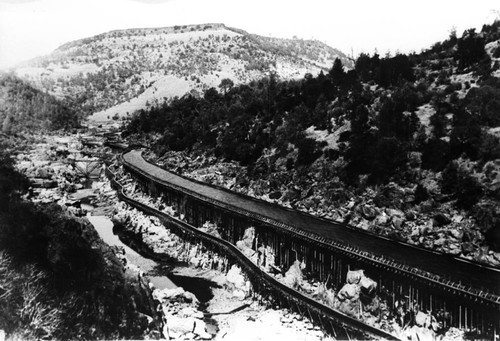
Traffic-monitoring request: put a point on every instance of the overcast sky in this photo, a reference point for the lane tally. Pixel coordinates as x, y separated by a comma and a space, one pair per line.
30, 28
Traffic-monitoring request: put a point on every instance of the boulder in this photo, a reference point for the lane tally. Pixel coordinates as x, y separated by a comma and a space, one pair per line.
440, 241
350, 307
349, 292
43, 173
200, 329
364, 225
454, 248
420, 319
190, 297
248, 237
174, 294
354, 276
235, 277
456, 234
395, 213
180, 325
120, 218
294, 277
239, 294
367, 284
195, 261
381, 219
397, 222
369, 212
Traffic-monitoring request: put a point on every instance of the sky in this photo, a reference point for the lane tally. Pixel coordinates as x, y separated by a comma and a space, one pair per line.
30, 28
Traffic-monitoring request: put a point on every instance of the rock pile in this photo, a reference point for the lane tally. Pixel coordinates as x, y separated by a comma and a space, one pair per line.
53, 177
350, 296
182, 319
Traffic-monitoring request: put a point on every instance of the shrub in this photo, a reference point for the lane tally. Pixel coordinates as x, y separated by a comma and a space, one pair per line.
26, 301
457, 181
307, 151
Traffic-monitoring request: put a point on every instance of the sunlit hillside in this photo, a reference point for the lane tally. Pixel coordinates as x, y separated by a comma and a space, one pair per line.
121, 71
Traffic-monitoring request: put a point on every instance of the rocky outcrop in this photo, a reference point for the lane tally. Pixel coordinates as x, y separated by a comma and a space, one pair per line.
239, 285
182, 319
357, 292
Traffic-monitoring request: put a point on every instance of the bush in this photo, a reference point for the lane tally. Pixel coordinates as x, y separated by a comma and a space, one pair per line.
26, 302
457, 181
487, 215
308, 152
470, 49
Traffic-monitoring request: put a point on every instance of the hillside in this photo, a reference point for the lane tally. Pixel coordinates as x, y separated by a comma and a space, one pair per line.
406, 146
22, 107
58, 279
122, 71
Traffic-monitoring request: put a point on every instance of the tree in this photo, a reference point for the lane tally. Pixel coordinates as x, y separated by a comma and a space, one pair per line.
458, 181
225, 85
363, 67
470, 48
359, 120
337, 72
307, 151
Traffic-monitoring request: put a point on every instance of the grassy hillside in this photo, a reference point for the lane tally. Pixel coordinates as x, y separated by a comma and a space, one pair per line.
407, 146
121, 71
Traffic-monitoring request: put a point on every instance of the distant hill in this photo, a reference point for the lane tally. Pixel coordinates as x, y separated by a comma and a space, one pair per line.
22, 107
121, 71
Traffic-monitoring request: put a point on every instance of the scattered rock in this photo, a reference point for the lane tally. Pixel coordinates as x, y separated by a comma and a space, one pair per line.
382, 219
397, 222
454, 248
369, 212
456, 234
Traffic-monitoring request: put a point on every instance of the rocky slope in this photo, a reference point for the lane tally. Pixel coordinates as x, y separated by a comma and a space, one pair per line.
121, 71
58, 279
404, 146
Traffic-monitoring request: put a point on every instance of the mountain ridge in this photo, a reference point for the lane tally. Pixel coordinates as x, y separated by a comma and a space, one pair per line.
121, 71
